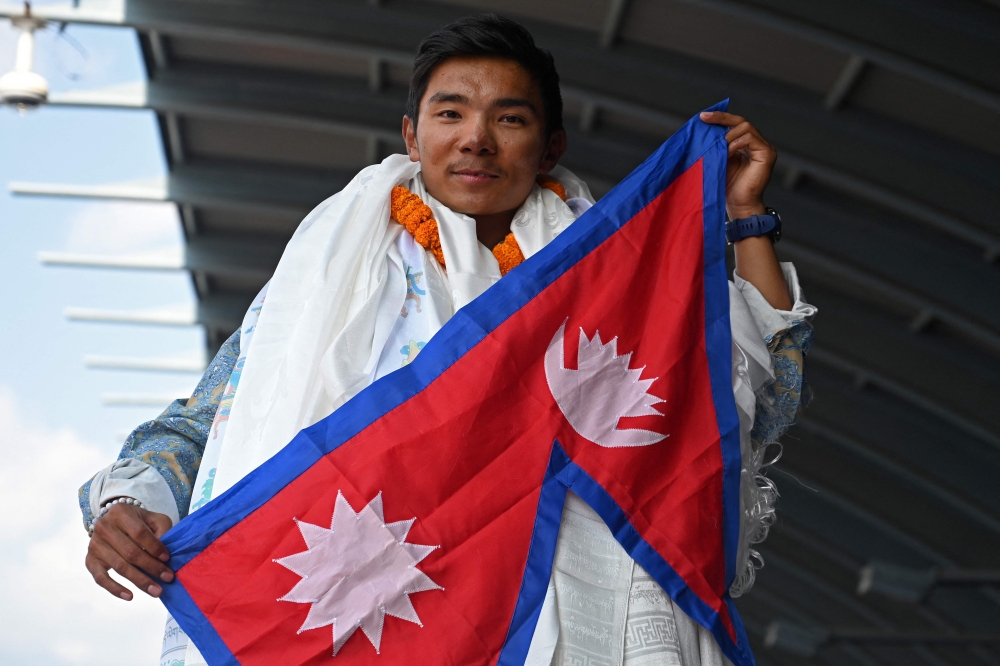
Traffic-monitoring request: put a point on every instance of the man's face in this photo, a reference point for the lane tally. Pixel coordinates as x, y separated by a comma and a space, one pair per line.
480, 136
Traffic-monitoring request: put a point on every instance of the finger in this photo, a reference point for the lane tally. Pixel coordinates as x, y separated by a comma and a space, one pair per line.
126, 546
121, 566
755, 145
99, 570
738, 131
721, 118
159, 523
130, 573
132, 521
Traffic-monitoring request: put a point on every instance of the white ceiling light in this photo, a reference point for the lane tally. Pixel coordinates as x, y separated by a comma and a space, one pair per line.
22, 87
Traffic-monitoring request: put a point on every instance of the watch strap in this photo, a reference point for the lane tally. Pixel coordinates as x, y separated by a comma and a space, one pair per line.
755, 225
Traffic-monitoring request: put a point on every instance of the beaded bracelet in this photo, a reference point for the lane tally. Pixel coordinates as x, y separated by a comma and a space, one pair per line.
107, 507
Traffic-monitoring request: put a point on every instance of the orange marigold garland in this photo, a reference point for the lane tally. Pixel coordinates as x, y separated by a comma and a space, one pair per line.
550, 183
416, 217
508, 254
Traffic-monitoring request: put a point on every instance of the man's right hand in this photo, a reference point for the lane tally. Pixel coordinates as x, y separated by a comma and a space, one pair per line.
127, 539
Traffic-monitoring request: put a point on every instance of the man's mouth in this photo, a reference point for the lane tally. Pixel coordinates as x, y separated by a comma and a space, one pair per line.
475, 176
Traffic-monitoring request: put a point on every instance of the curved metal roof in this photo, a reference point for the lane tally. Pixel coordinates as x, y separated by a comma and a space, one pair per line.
886, 115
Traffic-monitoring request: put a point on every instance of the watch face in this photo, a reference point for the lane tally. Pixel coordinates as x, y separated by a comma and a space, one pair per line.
776, 233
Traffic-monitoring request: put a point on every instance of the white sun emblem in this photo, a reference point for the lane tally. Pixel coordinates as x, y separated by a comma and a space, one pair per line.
357, 572
600, 391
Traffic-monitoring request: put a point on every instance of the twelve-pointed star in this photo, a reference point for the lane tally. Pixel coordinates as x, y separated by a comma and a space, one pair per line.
357, 572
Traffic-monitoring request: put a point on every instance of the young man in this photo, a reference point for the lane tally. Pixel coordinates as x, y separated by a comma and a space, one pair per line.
483, 130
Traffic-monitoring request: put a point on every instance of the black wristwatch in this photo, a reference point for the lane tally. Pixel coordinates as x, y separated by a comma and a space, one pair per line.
755, 225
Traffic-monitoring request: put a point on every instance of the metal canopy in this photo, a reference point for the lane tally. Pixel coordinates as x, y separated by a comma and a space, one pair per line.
886, 114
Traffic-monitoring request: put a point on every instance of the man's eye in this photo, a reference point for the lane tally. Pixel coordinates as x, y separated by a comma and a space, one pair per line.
511, 119
449, 114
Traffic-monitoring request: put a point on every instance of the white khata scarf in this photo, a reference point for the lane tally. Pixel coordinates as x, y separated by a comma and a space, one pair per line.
336, 294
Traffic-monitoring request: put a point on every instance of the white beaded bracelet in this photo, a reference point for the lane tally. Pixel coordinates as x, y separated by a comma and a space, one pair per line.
107, 507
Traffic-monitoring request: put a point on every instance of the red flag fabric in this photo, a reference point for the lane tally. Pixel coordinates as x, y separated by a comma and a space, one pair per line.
420, 519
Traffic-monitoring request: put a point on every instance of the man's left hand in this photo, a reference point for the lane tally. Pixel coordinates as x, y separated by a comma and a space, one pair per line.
751, 160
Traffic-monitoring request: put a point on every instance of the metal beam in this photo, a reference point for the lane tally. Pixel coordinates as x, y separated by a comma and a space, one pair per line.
159, 49
879, 56
142, 399
177, 316
95, 12
806, 641
173, 261
113, 12
845, 83
224, 186
909, 542
882, 197
850, 564
613, 23
148, 190
175, 141
864, 376
913, 585
847, 601
189, 364
899, 471
219, 311
213, 101
376, 75
784, 607
685, 78
232, 256
830, 497
840, 273
210, 101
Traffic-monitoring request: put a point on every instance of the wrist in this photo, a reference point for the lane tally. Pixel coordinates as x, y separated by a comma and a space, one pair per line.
106, 507
740, 212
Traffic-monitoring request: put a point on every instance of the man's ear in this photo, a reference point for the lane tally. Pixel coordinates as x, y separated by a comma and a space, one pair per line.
410, 137
553, 152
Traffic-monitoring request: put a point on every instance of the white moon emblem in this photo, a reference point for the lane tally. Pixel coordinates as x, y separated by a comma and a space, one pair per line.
600, 391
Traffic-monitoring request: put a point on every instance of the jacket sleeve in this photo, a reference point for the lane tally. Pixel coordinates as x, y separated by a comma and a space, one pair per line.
788, 336
160, 459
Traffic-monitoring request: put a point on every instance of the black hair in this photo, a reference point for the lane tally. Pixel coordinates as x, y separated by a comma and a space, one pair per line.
492, 36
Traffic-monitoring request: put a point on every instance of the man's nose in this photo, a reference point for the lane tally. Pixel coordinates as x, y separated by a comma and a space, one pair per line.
478, 139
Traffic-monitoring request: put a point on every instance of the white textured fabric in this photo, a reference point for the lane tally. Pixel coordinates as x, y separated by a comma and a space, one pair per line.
314, 341
426, 307
769, 320
135, 479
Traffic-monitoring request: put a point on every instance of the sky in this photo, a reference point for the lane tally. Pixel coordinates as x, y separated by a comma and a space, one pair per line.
54, 431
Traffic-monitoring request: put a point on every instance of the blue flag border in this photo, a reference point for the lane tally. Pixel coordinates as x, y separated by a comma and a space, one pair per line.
695, 140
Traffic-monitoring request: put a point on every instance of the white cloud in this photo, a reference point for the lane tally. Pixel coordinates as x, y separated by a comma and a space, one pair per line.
125, 227
51, 611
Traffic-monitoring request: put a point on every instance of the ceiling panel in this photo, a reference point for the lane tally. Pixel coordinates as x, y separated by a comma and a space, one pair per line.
584, 14
697, 31
275, 145
266, 56
895, 95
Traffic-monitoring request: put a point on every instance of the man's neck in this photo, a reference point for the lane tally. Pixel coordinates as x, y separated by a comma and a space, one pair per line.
492, 229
